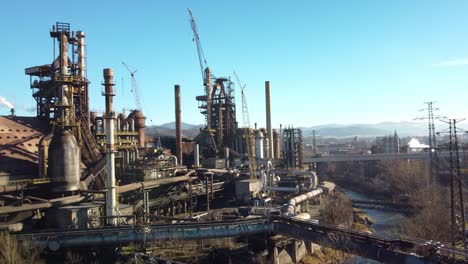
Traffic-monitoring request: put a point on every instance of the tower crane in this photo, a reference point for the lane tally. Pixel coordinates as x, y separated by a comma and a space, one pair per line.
205, 70
201, 54
134, 86
249, 137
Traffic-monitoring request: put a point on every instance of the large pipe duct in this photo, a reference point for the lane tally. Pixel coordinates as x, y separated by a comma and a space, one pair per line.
196, 156
80, 35
47, 204
268, 120
295, 201
110, 150
63, 72
178, 124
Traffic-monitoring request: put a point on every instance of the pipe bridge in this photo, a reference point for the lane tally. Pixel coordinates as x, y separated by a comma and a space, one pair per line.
385, 206
385, 249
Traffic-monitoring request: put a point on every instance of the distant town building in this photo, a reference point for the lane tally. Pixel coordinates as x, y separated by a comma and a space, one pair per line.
387, 144
415, 146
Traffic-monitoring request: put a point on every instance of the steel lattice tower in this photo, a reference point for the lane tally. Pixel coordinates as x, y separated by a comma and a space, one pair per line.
457, 209
434, 161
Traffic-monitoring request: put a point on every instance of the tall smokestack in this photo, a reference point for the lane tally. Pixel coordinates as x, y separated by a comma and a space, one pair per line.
63, 94
268, 120
80, 36
178, 125
109, 117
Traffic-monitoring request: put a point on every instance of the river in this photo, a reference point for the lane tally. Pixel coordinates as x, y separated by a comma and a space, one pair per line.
385, 222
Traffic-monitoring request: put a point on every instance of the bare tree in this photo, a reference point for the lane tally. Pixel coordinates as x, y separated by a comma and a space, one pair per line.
14, 253
337, 209
432, 220
403, 177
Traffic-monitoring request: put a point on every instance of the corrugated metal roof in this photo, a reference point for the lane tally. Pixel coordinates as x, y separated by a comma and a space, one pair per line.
19, 139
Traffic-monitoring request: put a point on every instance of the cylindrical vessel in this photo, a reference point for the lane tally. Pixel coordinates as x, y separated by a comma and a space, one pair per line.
268, 120
259, 144
196, 156
140, 127
64, 162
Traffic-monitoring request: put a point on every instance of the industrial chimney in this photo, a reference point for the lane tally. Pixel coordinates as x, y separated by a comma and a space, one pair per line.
268, 121
178, 124
109, 119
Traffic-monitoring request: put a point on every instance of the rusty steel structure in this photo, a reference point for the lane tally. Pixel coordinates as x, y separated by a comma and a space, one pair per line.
293, 147
217, 104
61, 90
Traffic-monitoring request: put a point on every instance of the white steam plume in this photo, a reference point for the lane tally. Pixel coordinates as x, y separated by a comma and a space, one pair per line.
4, 102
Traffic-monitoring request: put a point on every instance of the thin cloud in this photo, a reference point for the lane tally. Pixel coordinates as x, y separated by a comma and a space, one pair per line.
452, 63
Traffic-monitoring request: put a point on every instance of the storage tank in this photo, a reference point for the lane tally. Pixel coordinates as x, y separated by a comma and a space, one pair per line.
121, 117
259, 144
140, 127
64, 162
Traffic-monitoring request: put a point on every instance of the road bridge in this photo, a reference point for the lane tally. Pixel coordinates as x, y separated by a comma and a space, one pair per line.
370, 157
388, 249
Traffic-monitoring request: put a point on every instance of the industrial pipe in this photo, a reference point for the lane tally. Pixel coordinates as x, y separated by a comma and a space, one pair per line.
43, 149
178, 124
196, 156
282, 189
110, 148
138, 234
295, 201
174, 160
80, 35
51, 203
12, 227
153, 183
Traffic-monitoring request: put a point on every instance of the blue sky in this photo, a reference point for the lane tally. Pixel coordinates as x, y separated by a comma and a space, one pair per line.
327, 61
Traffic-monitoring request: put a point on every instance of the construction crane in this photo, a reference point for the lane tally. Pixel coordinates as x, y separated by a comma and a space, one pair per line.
201, 55
249, 137
205, 70
134, 87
